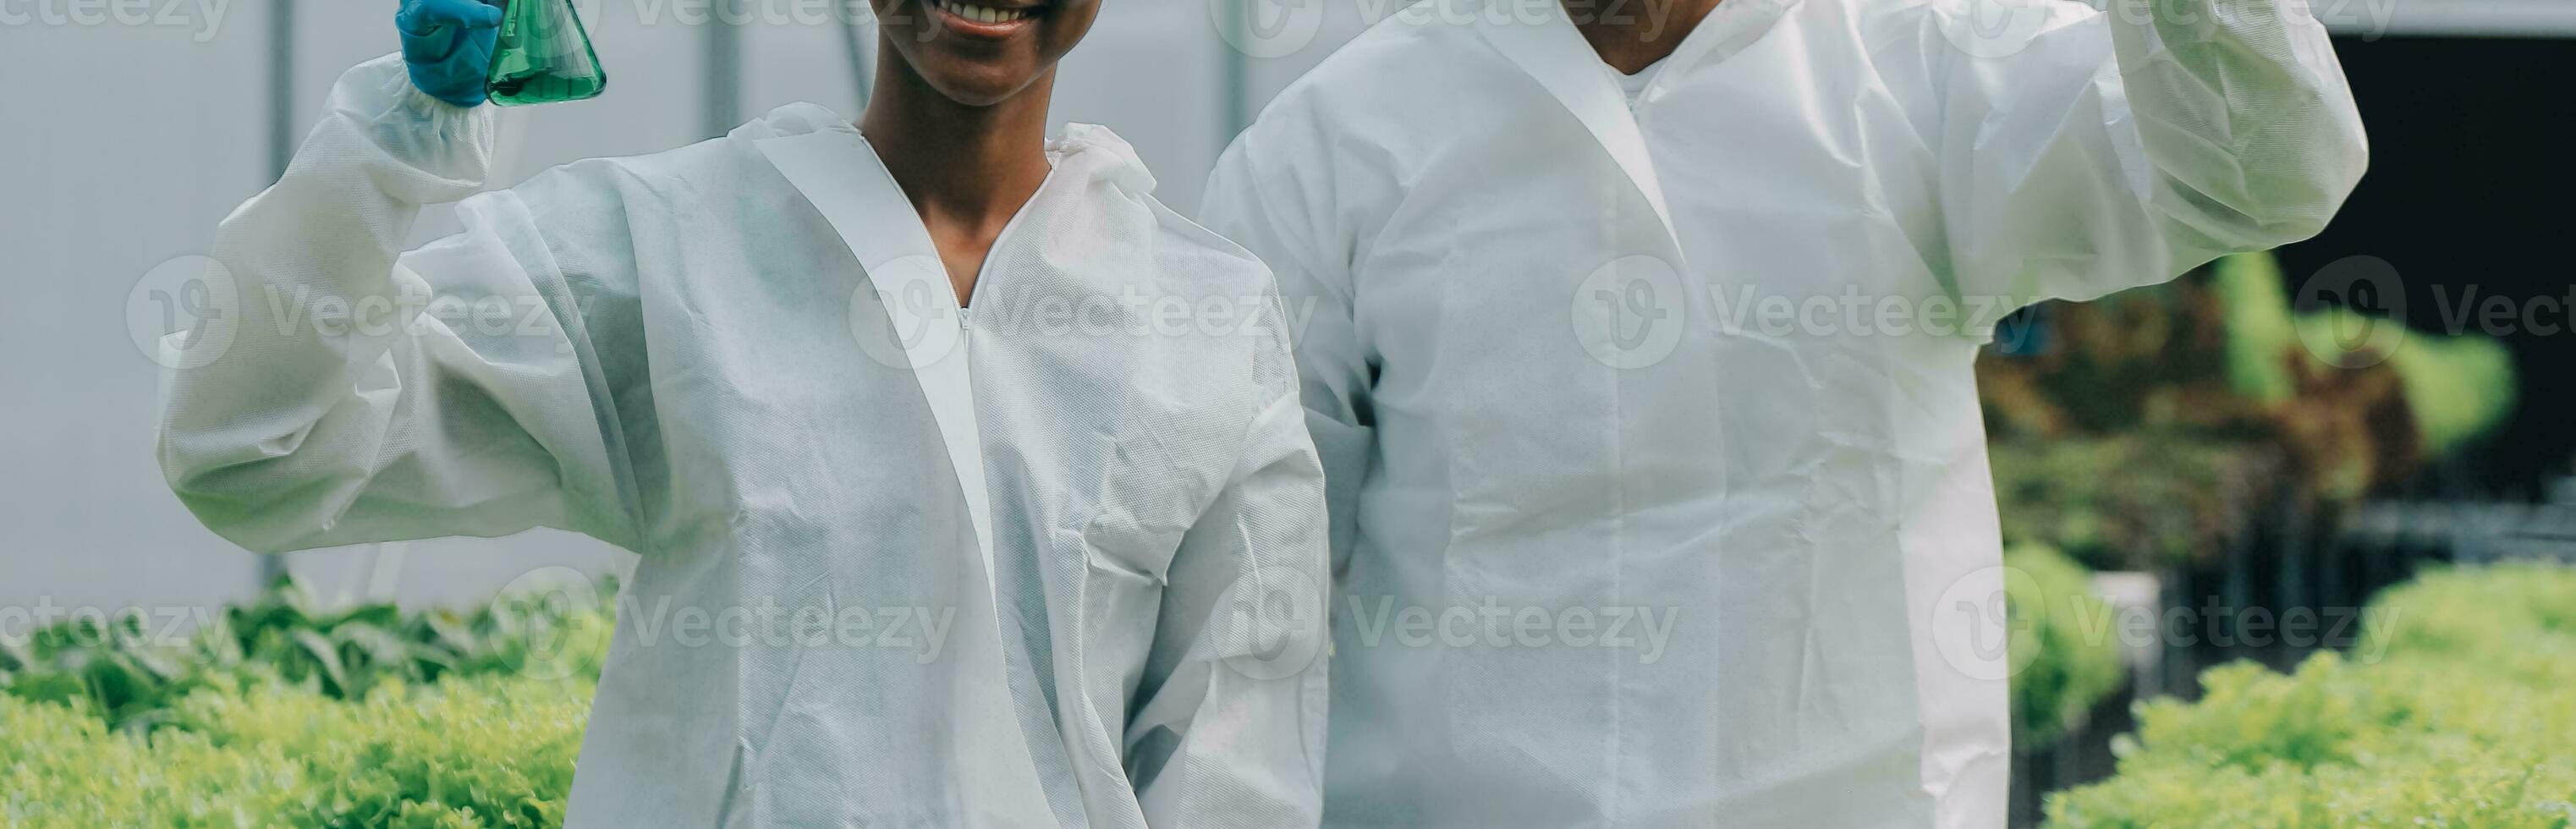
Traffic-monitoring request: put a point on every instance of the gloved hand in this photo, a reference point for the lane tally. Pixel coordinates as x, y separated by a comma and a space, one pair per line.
447, 46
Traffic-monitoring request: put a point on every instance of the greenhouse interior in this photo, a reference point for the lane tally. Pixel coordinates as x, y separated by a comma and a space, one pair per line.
2288, 541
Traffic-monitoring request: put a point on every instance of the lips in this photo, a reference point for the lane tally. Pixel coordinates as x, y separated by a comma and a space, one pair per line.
979, 19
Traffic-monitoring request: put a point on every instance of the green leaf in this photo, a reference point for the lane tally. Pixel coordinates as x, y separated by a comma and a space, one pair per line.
325, 654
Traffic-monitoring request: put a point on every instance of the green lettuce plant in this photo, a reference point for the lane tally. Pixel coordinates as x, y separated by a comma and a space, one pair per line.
113, 669
2059, 635
2467, 721
490, 751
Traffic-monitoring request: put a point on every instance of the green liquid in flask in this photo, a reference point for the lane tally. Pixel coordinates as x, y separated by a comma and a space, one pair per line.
542, 56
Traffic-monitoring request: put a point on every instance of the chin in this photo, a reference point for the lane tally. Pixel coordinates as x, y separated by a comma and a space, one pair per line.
984, 52
980, 85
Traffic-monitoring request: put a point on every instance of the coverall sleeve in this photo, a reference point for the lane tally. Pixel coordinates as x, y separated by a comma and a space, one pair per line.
367, 394
1282, 212
1228, 722
2084, 152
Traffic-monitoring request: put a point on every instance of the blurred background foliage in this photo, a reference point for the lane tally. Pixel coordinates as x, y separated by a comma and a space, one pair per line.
2211, 434
2139, 430
2059, 637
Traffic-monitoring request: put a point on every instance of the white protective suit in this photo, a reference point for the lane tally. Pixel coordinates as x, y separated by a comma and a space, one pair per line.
811, 638
1698, 368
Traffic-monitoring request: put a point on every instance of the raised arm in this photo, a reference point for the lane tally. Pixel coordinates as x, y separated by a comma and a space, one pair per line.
2085, 151
368, 394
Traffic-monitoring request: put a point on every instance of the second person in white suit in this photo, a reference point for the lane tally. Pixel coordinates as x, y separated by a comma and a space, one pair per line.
1673, 318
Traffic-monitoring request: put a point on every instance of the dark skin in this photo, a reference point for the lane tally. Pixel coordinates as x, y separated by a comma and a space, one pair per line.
959, 115
1631, 35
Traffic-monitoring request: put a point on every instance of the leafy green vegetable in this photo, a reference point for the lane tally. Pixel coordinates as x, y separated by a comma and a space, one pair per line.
282, 713
111, 668
2467, 722
492, 751
2060, 637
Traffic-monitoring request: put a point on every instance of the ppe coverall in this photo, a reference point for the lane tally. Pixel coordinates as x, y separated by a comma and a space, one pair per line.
716, 357
1574, 362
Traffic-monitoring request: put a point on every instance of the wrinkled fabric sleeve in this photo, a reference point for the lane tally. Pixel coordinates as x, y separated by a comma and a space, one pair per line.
368, 394
1282, 212
2087, 151
1228, 726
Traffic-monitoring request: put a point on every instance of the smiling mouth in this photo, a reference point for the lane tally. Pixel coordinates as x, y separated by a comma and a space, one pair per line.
983, 15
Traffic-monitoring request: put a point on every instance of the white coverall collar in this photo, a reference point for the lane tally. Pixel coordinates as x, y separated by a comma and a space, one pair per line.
1538, 37
830, 163
823, 155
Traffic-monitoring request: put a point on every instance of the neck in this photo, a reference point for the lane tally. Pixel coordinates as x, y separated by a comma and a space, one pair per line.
969, 165
1631, 38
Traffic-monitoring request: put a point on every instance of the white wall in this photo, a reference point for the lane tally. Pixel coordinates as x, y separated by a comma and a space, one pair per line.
122, 145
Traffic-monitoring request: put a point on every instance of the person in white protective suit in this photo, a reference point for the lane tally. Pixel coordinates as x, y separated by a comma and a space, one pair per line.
1100, 527
1639, 360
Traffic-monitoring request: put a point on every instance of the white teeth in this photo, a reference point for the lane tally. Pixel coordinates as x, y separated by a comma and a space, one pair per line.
982, 14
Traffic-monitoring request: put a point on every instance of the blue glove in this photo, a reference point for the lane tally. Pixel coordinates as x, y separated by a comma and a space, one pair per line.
447, 46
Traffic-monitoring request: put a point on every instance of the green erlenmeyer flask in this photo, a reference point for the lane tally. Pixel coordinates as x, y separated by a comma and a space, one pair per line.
542, 56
